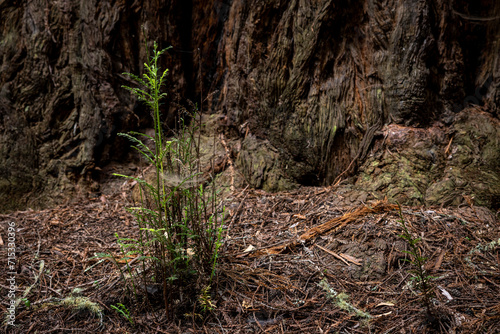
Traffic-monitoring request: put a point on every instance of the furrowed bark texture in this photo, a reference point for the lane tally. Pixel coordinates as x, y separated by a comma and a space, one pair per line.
381, 91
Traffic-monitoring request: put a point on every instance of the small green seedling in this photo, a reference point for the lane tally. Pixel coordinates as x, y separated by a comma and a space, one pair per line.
178, 215
26, 302
123, 311
420, 275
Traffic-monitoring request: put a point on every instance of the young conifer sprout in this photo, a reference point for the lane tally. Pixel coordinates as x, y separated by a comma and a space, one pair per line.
178, 217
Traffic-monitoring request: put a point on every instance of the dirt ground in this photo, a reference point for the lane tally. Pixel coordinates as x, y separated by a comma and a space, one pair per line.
305, 261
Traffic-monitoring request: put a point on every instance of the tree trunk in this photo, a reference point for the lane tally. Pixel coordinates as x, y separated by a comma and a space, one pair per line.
389, 93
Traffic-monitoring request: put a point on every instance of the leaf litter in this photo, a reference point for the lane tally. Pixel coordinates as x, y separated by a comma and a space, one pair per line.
284, 256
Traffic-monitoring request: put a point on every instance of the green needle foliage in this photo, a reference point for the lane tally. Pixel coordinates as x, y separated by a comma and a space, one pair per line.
180, 222
420, 276
123, 311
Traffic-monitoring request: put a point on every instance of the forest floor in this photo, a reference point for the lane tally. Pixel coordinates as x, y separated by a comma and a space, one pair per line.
305, 261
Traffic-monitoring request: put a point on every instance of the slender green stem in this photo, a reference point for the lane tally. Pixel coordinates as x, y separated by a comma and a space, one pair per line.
178, 213
418, 261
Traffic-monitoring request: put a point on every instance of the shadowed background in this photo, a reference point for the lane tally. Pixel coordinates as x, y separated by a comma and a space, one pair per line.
398, 96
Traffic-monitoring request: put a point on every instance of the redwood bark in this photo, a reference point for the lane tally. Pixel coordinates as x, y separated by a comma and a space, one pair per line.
316, 81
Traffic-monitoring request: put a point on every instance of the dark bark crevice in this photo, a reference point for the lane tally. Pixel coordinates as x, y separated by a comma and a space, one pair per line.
317, 81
